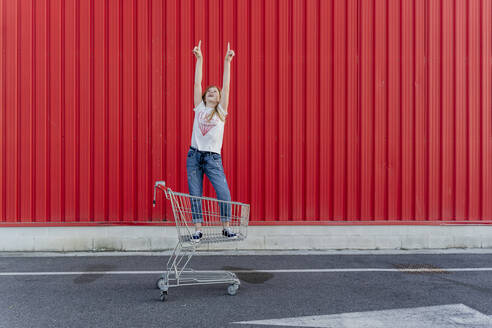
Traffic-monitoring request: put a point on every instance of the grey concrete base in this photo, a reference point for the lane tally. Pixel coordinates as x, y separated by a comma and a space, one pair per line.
155, 238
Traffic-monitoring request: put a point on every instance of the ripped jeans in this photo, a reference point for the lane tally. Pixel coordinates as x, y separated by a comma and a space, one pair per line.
198, 163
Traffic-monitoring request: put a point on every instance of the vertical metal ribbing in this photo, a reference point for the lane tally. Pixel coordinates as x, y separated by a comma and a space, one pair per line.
149, 108
63, 109
3, 113
18, 116
441, 144
163, 91
77, 111
332, 128
33, 114
135, 138
467, 103
106, 110
92, 152
454, 110
48, 113
179, 105
121, 176
480, 149
387, 166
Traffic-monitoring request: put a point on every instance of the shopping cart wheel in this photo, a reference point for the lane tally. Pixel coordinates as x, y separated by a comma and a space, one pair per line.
163, 296
232, 289
161, 284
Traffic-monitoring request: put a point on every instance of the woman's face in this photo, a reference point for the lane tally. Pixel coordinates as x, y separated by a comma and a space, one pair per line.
212, 97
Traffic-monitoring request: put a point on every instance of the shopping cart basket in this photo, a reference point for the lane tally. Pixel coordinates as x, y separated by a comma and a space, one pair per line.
213, 213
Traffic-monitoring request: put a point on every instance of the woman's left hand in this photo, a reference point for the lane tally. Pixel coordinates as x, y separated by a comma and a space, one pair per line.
230, 53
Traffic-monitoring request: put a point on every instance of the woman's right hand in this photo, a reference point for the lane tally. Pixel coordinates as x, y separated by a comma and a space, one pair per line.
197, 51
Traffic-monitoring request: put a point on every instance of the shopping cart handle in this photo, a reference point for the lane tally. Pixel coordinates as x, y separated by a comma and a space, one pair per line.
157, 184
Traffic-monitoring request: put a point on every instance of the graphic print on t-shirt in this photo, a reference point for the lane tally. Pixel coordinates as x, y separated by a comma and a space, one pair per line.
203, 122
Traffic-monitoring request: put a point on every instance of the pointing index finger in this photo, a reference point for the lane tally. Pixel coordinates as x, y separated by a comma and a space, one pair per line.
199, 44
228, 46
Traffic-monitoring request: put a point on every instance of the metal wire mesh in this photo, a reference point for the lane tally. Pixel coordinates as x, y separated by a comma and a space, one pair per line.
213, 215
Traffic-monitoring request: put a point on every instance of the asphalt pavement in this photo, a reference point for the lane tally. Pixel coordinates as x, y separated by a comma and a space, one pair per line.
331, 289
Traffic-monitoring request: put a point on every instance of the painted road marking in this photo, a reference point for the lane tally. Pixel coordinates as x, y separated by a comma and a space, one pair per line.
442, 316
341, 270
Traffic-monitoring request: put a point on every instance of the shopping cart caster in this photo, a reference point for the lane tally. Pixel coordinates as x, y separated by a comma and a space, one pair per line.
161, 284
232, 289
163, 296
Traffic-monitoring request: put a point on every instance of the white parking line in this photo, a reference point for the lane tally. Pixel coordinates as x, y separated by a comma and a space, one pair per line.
339, 270
441, 316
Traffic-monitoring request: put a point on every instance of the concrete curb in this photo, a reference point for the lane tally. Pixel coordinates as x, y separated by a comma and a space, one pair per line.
158, 238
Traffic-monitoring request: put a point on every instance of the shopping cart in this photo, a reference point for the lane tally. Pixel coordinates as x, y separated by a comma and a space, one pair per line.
213, 213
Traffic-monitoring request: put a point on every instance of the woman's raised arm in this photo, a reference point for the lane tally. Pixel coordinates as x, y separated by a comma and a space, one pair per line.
224, 99
197, 91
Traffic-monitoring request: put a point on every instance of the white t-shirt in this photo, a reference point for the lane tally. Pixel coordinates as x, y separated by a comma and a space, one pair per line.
207, 135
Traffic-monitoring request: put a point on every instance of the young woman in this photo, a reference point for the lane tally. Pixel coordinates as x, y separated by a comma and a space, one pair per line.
206, 143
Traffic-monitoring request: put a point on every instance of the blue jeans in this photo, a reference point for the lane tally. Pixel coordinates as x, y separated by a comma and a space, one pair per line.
198, 163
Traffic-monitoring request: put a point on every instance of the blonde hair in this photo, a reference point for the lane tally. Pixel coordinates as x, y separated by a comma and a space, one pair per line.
216, 110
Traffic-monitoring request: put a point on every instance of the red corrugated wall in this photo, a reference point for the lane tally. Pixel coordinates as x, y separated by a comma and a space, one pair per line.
340, 110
